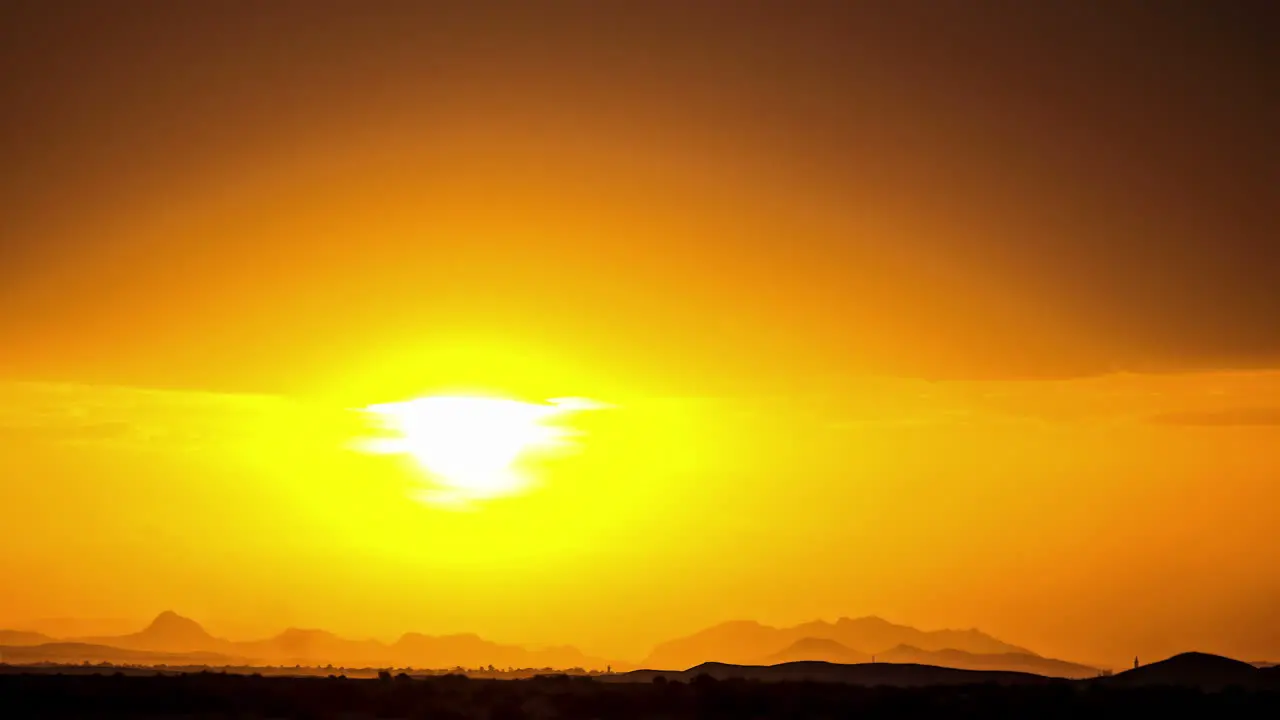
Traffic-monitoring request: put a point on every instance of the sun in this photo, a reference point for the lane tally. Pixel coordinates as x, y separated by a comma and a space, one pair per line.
469, 446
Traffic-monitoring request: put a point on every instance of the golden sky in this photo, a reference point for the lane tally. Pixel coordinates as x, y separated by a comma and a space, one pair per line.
1081, 517
959, 314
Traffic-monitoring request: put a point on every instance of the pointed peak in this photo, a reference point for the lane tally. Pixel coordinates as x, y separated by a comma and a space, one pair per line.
171, 624
739, 623
417, 637
904, 649
865, 620
817, 642
294, 632
169, 618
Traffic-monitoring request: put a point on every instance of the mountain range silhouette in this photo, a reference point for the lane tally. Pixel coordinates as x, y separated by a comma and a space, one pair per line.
749, 643
861, 650
23, 637
173, 639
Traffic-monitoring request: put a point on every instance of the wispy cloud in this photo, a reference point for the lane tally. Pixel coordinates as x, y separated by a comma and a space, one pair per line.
1232, 417
67, 413
1227, 398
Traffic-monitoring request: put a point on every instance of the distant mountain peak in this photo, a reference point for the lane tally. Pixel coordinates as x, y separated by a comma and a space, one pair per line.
169, 631
868, 621
294, 632
816, 649
171, 624
738, 624
904, 647
816, 642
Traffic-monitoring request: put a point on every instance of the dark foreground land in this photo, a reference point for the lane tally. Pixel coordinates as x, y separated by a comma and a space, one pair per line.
217, 695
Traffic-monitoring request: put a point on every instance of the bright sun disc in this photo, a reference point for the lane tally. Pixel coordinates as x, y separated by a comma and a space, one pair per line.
469, 446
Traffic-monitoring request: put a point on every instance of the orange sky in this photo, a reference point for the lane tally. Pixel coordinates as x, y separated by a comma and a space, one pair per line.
1089, 518
960, 317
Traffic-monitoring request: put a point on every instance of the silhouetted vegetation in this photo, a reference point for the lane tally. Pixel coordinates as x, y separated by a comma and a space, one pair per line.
218, 695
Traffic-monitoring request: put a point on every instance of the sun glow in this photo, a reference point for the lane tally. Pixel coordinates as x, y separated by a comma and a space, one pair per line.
470, 446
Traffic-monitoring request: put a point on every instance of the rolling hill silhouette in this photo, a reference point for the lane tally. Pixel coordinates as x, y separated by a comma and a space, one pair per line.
19, 638
1011, 662
468, 650
1188, 670
746, 642
821, 649
1194, 669
75, 627
298, 646
831, 651
868, 674
75, 653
